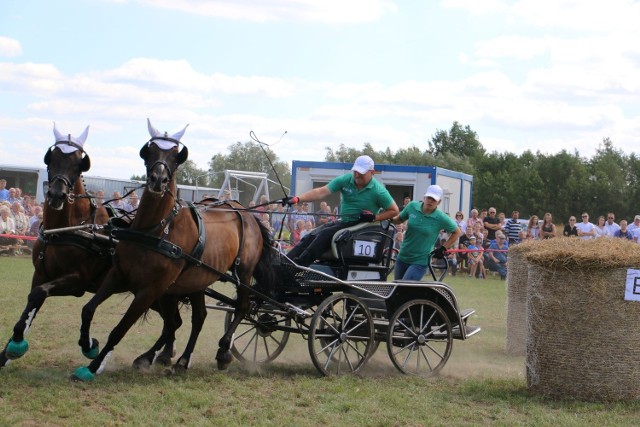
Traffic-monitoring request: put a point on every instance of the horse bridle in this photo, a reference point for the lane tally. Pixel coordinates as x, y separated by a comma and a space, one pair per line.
59, 177
163, 162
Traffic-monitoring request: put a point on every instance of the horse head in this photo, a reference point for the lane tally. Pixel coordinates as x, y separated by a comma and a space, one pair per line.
65, 160
162, 157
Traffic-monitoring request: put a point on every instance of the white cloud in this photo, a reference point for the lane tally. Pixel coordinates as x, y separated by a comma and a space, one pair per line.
325, 11
10, 47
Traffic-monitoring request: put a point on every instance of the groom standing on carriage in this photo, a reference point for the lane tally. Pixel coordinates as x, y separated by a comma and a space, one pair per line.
361, 197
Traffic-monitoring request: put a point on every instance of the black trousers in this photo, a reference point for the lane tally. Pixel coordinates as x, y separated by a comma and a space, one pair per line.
317, 242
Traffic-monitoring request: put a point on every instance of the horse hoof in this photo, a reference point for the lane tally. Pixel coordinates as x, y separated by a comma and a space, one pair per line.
163, 360
15, 350
142, 364
82, 374
93, 351
224, 359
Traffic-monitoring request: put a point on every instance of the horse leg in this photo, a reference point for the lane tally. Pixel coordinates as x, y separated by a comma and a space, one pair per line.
198, 315
87, 344
18, 345
224, 356
167, 307
141, 303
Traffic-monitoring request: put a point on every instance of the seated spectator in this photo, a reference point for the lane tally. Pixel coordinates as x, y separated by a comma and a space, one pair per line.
496, 258
21, 222
463, 244
475, 259
299, 228
27, 204
7, 226
37, 210
117, 202
570, 229
12, 196
623, 232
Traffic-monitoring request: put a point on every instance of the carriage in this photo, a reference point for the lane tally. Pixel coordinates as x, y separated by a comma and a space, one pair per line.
344, 307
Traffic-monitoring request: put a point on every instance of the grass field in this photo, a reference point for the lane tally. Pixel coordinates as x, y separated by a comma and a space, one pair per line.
479, 386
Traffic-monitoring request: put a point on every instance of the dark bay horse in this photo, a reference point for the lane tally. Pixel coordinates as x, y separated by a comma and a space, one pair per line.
67, 264
171, 249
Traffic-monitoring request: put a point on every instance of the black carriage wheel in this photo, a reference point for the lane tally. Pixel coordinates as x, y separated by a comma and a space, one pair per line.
419, 339
341, 335
258, 339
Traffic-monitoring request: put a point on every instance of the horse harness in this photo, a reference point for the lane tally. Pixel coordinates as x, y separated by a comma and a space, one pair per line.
161, 245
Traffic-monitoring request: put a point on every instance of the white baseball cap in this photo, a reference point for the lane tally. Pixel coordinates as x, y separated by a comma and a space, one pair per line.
435, 192
363, 164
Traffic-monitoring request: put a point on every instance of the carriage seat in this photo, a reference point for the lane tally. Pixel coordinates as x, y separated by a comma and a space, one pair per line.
362, 243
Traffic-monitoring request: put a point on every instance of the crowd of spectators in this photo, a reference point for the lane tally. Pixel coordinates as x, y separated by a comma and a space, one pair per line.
20, 216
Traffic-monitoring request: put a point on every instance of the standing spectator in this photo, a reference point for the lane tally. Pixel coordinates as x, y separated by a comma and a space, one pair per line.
533, 228
4, 193
570, 229
497, 255
586, 230
462, 224
475, 259
405, 202
473, 219
635, 225
99, 198
548, 229
623, 232
513, 229
12, 196
611, 225
601, 229
277, 219
491, 224
502, 220
399, 237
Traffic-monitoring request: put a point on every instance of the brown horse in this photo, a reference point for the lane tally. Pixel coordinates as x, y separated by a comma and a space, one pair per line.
165, 253
67, 264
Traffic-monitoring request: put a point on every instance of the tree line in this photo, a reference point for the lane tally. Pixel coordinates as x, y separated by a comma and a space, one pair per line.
563, 183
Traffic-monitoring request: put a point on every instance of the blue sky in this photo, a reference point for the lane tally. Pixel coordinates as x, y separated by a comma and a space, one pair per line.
525, 75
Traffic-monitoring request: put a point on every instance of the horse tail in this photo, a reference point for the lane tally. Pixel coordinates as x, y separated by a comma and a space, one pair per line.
263, 273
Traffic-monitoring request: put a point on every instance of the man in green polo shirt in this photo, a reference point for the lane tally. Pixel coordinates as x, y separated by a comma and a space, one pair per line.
362, 196
425, 221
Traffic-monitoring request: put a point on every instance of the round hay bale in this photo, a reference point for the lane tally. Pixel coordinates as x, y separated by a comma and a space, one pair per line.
582, 333
516, 283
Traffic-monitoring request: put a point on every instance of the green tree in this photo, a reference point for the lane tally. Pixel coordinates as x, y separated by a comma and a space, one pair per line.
459, 140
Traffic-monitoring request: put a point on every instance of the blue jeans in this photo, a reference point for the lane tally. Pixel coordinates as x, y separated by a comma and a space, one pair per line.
404, 271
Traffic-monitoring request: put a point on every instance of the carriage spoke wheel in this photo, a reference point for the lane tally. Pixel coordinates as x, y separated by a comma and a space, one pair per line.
419, 338
341, 335
258, 339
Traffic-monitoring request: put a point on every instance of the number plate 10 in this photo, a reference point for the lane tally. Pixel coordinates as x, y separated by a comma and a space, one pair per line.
364, 248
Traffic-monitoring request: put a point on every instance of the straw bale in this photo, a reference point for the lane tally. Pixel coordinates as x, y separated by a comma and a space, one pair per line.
516, 283
582, 339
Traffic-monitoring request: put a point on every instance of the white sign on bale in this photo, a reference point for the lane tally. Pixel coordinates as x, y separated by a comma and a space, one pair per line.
632, 289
